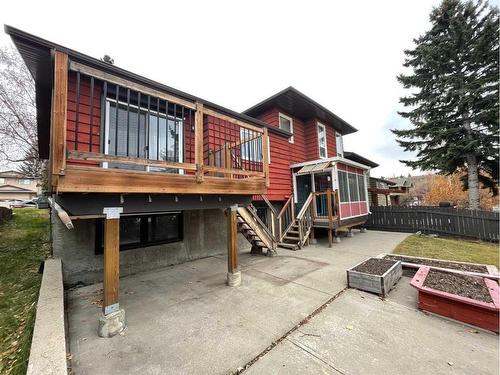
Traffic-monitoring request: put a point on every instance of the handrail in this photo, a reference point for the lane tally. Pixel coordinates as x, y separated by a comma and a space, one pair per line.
272, 219
271, 207
256, 217
305, 206
282, 211
287, 214
305, 220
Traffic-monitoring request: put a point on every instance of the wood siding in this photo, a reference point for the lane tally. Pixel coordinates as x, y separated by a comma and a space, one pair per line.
283, 153
82, 136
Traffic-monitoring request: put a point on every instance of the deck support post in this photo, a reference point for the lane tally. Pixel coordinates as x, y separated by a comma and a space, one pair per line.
233, 272
112, 320
312, 239
330, 216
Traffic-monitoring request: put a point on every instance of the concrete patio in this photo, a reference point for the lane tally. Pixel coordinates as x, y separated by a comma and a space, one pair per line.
185, 320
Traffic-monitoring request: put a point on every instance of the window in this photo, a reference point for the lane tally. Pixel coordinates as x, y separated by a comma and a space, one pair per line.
143, 231
343, 187
361, 187
150, 134
251, 147
353, 187
24, 181
286, 123
323, 154
340, 144
2, 180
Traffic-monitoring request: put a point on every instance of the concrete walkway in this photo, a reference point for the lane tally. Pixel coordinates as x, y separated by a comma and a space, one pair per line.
184, 320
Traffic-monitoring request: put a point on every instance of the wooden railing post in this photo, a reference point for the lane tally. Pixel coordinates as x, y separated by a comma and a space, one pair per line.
198, 141
59, 114
330, 217
228, 160
265, 155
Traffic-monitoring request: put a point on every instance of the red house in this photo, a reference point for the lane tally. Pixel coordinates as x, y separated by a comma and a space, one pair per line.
304, 167
142, 175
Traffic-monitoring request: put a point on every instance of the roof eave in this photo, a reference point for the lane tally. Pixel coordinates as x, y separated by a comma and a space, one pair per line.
101, 65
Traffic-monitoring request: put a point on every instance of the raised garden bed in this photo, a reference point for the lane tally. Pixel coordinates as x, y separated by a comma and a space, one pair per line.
469, 299
375, 275
421, 261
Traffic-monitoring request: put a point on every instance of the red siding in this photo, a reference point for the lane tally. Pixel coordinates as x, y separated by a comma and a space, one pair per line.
331, 141
311, 140
83, 136
283, 154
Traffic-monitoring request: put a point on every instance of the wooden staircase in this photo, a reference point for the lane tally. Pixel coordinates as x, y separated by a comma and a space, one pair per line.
298, 230
291, 238
256, 232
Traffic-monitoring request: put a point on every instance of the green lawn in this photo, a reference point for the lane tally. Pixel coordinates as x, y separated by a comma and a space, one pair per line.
443, 248
24, 243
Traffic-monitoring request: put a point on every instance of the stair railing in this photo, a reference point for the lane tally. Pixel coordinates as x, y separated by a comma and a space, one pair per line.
305, 219
271, 218
256, 218
285, 218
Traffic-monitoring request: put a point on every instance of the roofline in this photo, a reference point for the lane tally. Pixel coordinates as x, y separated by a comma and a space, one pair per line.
374, 165
18, 189
383, 180
311, 101
16, 33
336, 159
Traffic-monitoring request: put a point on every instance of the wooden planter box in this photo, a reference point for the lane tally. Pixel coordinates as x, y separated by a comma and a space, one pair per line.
379, 284
481, 314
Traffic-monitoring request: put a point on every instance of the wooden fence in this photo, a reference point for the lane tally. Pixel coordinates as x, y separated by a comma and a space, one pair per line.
482, 225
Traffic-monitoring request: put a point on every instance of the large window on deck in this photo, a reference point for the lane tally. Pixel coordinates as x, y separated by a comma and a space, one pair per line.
148, 131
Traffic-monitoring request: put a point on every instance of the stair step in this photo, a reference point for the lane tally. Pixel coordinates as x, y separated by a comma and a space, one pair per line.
291, 238
245, 226
288, 245
293, 231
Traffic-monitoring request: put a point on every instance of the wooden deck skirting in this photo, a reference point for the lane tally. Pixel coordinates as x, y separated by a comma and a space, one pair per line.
102, 180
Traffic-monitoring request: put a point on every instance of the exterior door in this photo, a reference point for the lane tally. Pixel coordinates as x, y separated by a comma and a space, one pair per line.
304, 188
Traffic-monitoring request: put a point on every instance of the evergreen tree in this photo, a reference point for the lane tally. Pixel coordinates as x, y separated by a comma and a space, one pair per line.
453, 106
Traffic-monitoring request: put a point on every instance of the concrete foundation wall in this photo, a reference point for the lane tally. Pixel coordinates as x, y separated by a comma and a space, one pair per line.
205, 234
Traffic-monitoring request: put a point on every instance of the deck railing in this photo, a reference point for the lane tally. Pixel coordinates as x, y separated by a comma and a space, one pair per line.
115, 124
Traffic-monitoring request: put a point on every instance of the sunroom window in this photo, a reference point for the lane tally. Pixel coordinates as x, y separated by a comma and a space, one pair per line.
286, 123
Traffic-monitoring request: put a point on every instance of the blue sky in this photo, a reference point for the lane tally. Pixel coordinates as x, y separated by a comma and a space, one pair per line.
345, 55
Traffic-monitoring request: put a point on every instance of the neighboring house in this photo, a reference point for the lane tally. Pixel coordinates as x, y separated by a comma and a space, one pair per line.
16, 186
380, 191
400, 190
143, 172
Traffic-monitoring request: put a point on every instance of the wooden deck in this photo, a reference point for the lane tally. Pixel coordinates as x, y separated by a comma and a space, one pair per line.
214, 153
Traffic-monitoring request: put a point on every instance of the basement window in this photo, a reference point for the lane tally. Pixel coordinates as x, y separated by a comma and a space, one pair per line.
143, 231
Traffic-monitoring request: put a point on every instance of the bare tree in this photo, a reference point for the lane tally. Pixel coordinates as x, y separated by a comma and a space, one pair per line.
18, 133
